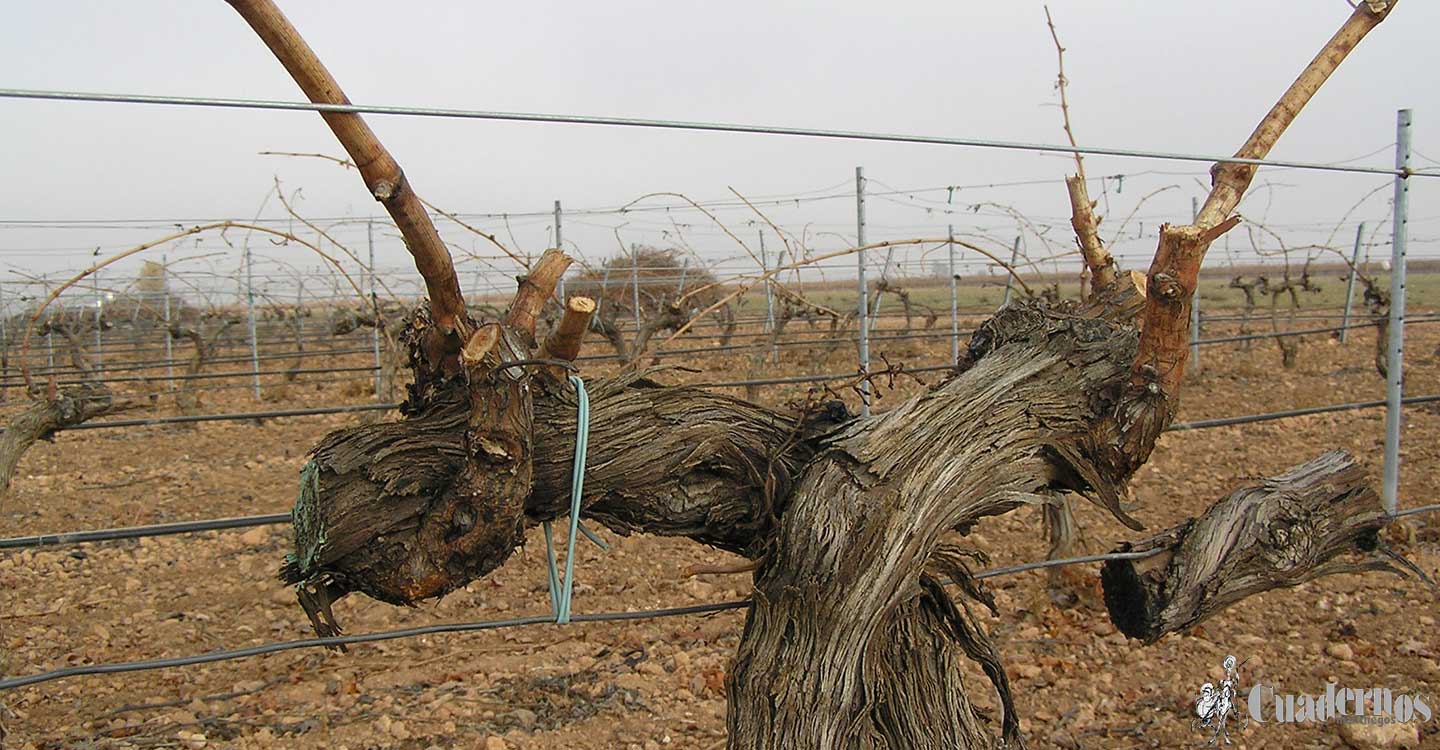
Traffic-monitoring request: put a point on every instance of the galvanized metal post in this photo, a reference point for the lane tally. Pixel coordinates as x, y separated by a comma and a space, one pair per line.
954, 301
683, 268
559, 239
374, 306
635, 281
775, 342
884, 274
769, 291
4, 337
1195, 303
1395, 367
875, 310
604, 283
250, 310
300, 312
1010, 273
169, 345
49, 339
559, 245
864, 303
99, 324
1350, 284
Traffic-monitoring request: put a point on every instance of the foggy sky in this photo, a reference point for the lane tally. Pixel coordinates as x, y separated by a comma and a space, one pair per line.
1167, 75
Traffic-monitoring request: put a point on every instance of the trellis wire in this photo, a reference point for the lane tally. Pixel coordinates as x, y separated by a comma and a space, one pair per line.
138, 532
469, 627
823, 340
1401, 172
785, 380
132, 532
635, 122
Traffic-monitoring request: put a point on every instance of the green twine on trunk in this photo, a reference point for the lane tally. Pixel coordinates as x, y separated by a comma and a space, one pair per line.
561, 591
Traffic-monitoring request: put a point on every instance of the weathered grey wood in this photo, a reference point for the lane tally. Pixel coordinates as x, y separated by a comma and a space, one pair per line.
667, 461
851, 642
674, 461
403, 514
1062, 538
846, 515
1285, 531
866, 520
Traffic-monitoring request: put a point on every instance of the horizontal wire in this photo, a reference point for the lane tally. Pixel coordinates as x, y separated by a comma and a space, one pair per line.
271, 104
1041, 564
1202, 424
217, 375
282, 338
343, 640
43, 540
233, 416
468, 627
138, 532
753, 346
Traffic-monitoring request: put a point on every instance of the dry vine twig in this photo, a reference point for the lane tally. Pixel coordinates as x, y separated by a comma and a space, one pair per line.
1174, 272
1082, 216
220, 225
382, 174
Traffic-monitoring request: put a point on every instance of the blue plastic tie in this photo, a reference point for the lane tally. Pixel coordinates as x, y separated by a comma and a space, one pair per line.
561, 591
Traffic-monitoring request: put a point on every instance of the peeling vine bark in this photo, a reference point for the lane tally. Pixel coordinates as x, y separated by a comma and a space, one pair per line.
851, 642
1284, 532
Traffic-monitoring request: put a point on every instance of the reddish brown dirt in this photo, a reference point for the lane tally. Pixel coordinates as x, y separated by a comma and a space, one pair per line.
657, 683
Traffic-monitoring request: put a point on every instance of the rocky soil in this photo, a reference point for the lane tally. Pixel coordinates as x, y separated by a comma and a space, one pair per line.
660, 683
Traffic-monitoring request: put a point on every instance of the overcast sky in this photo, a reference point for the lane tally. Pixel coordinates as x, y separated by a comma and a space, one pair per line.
1166, 75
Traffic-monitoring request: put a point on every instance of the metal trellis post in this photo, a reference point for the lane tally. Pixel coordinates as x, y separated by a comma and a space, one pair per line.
779, 264
769, 295
1195, 303
954, 300
1395, 368
559, 245
300, 313
374, 306
250, 311
635, 280
864, 303
169, 345
49, 339
4, 337
1010, 272
1350, 284
604, 283
99, 324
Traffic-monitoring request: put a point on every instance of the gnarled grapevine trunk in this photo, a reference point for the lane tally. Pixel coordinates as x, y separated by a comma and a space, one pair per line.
410, 512
867, 519
852, 641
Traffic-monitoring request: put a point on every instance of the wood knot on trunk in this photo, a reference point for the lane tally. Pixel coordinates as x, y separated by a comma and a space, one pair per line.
410, 510
1318, 518
1166, 286
384, 190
